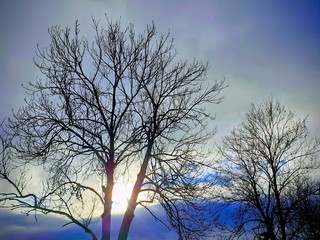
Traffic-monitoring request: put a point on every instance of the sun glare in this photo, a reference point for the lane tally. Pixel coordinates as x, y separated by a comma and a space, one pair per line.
121, 194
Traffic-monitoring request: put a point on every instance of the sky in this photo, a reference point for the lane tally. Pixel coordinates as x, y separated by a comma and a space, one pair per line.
263, 49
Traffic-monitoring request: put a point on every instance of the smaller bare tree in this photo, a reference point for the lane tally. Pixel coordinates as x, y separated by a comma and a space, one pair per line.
305, 217
265, 161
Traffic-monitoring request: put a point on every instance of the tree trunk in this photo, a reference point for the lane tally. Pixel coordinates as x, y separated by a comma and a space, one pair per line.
281, 219
106, 227
132, 203
106, 215
127, 220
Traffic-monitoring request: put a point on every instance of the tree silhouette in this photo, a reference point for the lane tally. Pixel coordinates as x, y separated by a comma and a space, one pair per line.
305, 219
266, 162
105, 108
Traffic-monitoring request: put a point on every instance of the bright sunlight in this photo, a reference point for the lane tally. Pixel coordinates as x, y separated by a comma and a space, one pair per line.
120, 197
121, 194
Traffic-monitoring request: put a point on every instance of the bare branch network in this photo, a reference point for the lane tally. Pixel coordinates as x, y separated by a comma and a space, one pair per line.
105, 108
122, 105
269, 173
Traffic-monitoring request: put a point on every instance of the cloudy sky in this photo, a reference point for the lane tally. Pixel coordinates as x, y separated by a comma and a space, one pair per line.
267, 48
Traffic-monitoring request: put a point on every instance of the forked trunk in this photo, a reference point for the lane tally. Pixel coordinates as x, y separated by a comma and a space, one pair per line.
132, 203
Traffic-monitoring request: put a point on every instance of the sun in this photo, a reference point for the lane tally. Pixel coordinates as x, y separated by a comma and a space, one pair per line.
120, 196
122, 193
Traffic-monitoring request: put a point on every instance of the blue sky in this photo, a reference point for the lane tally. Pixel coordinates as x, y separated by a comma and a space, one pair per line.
267, 48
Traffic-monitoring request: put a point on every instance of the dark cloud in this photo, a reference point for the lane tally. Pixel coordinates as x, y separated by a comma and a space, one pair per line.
16, 226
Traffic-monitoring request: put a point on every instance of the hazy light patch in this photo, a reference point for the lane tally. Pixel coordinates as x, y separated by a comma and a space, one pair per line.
123, 188
121, 195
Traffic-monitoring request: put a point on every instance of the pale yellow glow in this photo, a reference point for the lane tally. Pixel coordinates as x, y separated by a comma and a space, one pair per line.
121, 194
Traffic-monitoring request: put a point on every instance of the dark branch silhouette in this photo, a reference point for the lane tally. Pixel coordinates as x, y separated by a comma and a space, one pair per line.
267, 161
107, 107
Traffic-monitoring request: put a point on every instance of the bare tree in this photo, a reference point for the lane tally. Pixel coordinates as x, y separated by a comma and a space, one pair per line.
305, 217
265, 161
174, 127
105, 106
